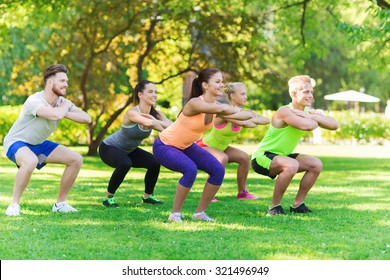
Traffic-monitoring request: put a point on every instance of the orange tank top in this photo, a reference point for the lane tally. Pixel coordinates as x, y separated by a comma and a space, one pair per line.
185, 131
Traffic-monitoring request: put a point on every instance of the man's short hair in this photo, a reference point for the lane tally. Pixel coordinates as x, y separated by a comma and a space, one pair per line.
297, 80
52, 70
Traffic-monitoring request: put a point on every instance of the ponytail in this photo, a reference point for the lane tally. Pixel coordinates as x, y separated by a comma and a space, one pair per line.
196, 88
203, 77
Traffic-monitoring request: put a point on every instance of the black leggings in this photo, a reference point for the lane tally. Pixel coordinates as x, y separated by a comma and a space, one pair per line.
122, 162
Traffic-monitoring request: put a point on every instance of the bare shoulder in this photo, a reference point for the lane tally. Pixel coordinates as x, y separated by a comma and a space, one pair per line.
190, 108
280, 115
195, 100
284, 110
132, 110
130, 114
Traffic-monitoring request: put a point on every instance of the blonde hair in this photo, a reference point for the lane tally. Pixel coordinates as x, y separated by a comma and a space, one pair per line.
231, 88
296, 82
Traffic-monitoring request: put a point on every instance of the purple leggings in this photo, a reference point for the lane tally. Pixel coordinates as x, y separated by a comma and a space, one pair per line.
188, 161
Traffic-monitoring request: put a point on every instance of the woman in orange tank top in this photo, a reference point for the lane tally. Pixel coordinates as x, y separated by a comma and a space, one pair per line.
175, 148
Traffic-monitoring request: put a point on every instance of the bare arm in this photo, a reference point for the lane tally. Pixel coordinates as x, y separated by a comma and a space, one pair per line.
254, 120
197, 106
241, 115
54, 113
156, 124
284, 116
257, 119
324, 121
133, 116
78, 116
165, 122
245, 123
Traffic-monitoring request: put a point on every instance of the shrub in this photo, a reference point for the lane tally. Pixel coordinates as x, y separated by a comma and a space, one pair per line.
8, 115
355, 128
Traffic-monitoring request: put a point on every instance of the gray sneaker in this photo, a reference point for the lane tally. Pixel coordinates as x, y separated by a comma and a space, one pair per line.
175, 217
276, 210
202, 216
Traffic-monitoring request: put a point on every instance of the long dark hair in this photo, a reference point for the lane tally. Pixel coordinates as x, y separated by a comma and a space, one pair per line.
204, 76
140, 87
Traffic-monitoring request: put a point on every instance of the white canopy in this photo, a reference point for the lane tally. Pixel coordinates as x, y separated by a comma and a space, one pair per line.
352, 95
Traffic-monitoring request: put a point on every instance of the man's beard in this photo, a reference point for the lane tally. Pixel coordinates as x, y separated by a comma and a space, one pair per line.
58, 92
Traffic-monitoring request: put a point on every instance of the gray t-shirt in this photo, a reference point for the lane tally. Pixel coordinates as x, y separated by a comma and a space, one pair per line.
29, 127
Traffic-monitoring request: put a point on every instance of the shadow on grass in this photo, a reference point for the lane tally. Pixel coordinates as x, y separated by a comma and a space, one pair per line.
350, 220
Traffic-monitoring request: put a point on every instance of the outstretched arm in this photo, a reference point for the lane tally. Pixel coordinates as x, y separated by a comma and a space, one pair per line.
324, 121
239, 116
197, 106
65, 110
78, 115
155, 123
146, 120
296, 118
165, 122
258, 119
252, 122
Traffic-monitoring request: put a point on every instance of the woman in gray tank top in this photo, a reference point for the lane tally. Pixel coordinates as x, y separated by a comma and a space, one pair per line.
121, 149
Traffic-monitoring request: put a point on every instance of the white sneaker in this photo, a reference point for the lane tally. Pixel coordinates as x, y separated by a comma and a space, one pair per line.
13, 210
63, 207
202, 216
175, 217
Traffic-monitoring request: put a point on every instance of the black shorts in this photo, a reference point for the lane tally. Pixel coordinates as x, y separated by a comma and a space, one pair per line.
264, 171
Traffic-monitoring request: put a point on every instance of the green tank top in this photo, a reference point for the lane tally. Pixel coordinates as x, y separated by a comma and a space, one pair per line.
281, 141
221, 136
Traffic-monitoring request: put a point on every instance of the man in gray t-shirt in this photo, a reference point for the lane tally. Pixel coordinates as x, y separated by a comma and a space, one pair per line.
26, 143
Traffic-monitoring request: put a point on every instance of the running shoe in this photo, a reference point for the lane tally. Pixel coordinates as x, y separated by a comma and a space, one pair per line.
175, 217
202, 216
276, 210
214, 200
245, 195
152, 200
110, 202
302, 208
13, 210
63, 207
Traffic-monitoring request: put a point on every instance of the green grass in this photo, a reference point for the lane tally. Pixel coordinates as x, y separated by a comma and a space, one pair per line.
351, 201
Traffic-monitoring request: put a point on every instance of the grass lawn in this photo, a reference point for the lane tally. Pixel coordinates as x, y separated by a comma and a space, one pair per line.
351, 200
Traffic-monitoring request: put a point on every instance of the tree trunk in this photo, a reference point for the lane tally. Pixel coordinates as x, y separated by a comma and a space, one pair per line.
93, 148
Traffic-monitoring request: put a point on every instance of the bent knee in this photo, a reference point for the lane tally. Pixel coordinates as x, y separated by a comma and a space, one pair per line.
28, 163
224, 159
244, 160
217, 175
291, 167
189, 176
76, 160
316, 165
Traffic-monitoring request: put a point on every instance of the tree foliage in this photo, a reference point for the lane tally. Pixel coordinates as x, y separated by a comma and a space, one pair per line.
109, 45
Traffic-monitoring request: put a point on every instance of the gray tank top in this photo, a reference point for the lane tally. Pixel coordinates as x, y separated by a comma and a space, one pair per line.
128, 138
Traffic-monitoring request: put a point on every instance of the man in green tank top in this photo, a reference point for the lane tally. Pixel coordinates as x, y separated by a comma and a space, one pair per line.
273, 156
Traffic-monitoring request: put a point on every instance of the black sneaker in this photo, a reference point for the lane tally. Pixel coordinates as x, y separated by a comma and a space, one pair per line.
300, 209
110, 202
276, 210
151, 200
